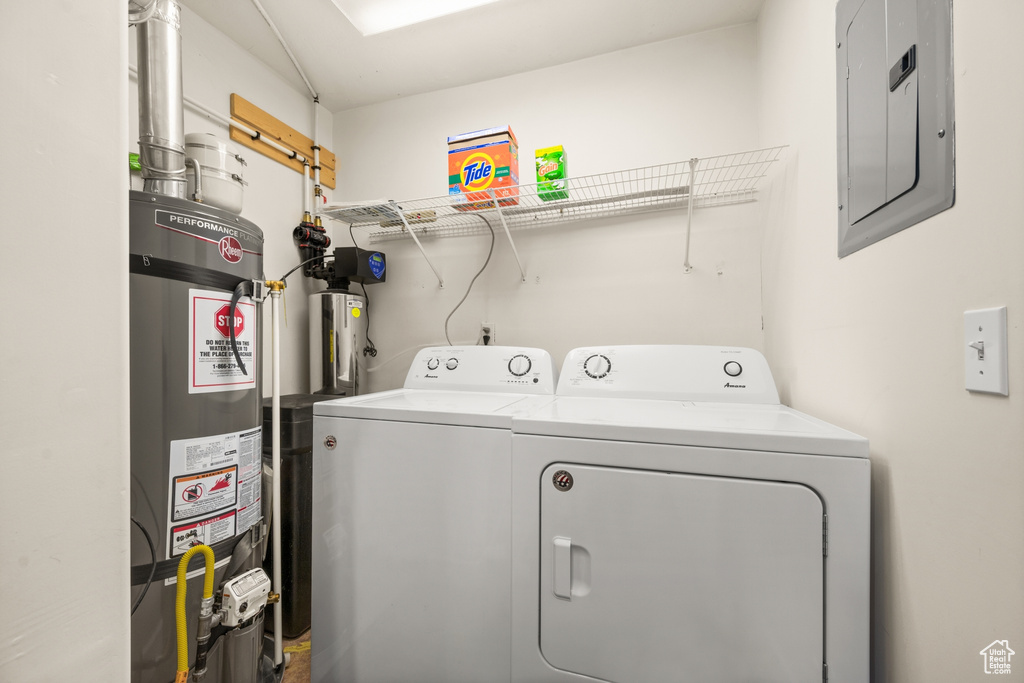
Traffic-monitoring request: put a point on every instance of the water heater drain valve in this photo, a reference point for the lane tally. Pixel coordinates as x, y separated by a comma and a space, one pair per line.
244, 596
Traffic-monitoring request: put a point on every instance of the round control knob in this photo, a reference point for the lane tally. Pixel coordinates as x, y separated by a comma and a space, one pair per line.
733, 369
520, 365
597, 366
452, 363
433, 363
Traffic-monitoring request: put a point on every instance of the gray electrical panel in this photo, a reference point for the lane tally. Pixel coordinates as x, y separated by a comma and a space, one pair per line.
894, 85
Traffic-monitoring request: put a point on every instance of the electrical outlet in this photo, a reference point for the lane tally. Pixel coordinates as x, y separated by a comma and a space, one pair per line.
486, 337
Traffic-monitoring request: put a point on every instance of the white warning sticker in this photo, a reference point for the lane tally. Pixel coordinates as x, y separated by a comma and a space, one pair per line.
200, 494
215, 488
211, 361
202, 532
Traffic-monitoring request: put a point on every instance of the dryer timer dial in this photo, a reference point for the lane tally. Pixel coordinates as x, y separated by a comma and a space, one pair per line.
597, 366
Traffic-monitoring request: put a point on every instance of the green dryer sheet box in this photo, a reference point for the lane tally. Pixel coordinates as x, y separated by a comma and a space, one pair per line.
552, 182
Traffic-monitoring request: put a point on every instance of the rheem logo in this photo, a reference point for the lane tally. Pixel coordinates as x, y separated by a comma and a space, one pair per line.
230, 249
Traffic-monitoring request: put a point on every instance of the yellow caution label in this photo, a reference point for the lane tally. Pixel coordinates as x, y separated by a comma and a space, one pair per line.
332, 347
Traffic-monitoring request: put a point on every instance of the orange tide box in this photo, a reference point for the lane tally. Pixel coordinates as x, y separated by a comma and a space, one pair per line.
481, 162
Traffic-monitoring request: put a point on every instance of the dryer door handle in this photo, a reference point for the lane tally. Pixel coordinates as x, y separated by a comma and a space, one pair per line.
561, 584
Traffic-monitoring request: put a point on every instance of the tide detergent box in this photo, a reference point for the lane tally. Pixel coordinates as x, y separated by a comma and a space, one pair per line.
481, 162
551, 175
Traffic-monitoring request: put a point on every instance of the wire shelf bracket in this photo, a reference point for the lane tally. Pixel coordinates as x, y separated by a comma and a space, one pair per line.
504, 225
412, 233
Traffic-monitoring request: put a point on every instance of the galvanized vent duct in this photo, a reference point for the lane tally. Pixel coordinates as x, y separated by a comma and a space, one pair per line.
161, 117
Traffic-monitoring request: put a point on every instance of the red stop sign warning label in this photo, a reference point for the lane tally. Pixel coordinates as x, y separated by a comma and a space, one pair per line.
222, 320
212, 362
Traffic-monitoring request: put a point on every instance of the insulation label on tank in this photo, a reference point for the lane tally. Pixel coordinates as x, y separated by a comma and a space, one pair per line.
212, 365
215, 488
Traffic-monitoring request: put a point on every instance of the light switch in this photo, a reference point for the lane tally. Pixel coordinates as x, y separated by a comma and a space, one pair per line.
985, 351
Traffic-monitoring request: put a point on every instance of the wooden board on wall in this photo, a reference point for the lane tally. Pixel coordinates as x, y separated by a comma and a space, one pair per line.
267, 126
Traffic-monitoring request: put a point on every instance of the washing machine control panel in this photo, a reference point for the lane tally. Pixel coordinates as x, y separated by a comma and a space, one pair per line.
723, 374
514, 369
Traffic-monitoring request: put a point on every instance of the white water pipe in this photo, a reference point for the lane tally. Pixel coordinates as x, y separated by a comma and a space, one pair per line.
316, 155
275, 519
305, 188
220, 118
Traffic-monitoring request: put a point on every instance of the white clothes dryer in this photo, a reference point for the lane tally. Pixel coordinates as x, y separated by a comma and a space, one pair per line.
412, 520
673, 522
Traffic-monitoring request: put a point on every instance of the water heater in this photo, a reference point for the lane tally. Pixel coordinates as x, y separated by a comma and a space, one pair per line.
196, 469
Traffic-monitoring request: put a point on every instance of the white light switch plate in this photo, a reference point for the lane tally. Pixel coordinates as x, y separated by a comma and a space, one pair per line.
985, 331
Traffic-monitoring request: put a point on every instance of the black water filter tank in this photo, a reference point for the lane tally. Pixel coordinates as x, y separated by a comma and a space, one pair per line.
296, 508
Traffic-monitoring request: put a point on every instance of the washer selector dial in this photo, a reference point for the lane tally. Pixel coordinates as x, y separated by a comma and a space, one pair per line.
452, 363
433, 363
733, 369
597, 366
520, 365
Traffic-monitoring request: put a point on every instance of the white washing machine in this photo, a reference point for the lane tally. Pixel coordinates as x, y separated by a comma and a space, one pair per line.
673, 522
412, 520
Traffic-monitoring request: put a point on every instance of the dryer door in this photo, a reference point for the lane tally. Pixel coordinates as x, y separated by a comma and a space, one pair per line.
649, 577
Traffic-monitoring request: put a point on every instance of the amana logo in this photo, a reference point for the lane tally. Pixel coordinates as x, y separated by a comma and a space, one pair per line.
477, 171
735, 386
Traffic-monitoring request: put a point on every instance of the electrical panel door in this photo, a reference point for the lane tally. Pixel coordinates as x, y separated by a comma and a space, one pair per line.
895, 109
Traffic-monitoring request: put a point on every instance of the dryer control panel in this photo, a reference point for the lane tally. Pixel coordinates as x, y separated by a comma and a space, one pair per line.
508, 369
722, 374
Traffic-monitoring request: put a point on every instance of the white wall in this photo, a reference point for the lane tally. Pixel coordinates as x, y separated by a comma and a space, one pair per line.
64, 346
610, 281
873, 342
213, 67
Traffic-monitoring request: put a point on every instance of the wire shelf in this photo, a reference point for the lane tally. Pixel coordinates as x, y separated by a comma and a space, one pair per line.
716, 181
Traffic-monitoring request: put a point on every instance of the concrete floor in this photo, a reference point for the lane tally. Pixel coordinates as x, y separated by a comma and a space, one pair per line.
297, 670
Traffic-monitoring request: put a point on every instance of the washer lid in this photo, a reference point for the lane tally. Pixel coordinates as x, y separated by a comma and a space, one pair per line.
773, 428
462, 408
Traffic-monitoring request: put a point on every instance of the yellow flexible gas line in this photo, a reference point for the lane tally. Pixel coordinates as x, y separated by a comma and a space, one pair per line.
179, 606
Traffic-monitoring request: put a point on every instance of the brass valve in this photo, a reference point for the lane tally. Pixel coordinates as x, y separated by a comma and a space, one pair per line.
273, 598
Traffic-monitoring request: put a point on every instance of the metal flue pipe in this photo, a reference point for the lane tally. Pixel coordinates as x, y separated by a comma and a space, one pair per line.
161, 116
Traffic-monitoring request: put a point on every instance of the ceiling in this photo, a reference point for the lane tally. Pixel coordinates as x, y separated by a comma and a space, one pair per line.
500, 39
